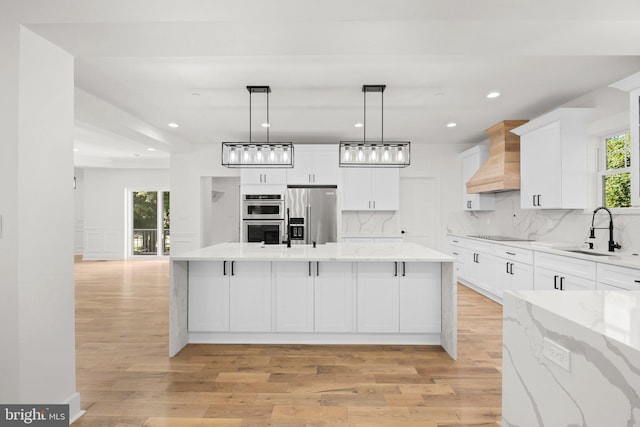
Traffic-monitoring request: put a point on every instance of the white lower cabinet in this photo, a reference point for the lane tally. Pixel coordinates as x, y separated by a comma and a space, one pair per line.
399, 297
420, 297
208, 297
563, 273
378, 303
334, 288
293, 296
478, 265
512, 269
618, 278
249, 296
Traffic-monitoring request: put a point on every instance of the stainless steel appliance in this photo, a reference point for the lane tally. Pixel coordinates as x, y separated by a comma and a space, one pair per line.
311, 214
262, 206
269, 231
263, 218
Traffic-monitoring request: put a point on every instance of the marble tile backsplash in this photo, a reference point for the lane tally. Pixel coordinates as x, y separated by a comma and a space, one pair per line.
558, 226
370, 223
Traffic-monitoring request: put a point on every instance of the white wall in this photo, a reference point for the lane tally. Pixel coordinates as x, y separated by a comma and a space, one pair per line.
37, 361
105, 208
220, 214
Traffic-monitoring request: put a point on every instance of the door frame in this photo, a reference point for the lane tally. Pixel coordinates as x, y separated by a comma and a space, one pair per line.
128, 229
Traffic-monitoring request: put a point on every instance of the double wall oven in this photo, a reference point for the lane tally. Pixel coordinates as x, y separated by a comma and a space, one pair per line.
263, 218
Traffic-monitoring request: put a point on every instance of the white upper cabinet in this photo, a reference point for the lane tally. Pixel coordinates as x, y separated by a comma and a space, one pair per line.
314, 164
369, 189
253, 176
471, 160
553, 160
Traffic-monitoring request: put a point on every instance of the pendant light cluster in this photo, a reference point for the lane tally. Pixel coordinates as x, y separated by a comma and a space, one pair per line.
257, 154
389, 154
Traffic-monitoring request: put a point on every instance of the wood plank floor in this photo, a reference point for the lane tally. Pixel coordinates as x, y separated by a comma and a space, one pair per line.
125, 377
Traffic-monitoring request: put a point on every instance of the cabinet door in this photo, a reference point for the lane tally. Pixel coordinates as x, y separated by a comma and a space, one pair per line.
263, 176
522, 277
294, 296
325, 166
334, 287
356, 189
545, 280
208, 297
541, 168
420, 303
385, 189
250, 296
377, 297
483, 271
571, 283
501, 276
301, 173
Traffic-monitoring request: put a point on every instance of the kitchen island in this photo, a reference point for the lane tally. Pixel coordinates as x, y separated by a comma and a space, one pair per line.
337, 293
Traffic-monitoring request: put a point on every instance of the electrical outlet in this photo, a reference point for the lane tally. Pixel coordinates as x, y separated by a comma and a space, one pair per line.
557, 354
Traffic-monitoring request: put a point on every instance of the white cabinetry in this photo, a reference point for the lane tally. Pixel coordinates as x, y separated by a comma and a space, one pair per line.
334, 288
249, 296
471, 160
617, 277
272, 176
513, 269
398, 297
563, 273
459, 252
208, 296
378, 302
553, 160
366, 189
478, 265
294, 296
314, 164
420, 297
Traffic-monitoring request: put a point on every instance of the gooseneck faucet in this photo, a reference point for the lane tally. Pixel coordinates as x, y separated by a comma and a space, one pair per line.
592, 232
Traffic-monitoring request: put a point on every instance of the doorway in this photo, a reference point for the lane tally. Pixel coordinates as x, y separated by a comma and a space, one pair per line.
150, 223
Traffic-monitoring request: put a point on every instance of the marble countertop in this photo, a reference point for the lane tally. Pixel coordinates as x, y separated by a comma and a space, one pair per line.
613, 314
400, 251
563, 248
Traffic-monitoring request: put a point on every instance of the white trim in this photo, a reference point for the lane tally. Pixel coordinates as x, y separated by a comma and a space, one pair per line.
602, 171
74, 407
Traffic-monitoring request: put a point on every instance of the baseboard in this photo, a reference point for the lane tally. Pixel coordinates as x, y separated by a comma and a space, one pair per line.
75, 412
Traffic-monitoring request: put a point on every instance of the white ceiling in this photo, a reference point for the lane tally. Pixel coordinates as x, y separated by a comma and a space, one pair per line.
137, 70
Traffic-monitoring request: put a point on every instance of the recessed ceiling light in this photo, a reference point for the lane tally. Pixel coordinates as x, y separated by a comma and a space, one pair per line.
265, 125
173, 125
136, 154
493, 94
76, 149
452, 124
358, 125
151, 149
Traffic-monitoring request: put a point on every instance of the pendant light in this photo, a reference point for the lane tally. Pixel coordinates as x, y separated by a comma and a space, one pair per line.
258, 154
382, 154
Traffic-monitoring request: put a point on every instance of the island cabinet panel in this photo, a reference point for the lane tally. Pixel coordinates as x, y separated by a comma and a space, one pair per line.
249, 296
293, 296
208, 297
420, 300
378, 302
334, 288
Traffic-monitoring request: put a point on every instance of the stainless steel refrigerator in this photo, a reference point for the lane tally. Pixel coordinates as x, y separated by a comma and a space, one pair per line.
311, 214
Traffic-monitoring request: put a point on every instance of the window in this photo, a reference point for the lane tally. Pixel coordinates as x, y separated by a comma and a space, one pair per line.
615, 171
150, 231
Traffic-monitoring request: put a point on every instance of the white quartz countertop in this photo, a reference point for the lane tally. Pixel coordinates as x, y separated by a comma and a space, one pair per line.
624, 259
613, 314
400, 251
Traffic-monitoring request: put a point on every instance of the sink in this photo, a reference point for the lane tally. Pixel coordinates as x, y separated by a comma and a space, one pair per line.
581, 251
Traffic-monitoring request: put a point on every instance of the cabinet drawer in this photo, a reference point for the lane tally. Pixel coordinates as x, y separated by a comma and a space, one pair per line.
457, 241
567, 265
477, 246
620, 277
515, 254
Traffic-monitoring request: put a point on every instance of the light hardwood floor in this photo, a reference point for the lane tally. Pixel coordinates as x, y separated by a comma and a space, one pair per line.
126, 378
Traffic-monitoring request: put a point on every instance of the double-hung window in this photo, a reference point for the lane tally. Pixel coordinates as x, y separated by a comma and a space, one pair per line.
615, 171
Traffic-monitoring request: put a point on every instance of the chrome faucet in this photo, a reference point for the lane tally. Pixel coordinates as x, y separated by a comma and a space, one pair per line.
592, 232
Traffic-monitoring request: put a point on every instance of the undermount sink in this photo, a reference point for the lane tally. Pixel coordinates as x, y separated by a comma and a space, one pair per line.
581, 251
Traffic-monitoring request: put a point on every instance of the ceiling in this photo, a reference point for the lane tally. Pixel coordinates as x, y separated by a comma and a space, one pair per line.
137, 70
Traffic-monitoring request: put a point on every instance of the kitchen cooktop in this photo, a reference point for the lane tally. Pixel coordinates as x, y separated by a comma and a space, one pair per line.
499, 238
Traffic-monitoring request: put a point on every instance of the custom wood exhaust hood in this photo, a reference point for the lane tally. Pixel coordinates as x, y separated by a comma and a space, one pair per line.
501, 171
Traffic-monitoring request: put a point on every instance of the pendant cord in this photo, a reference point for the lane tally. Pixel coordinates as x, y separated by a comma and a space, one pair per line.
268, 123
364, 124
382, 118
250, 116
